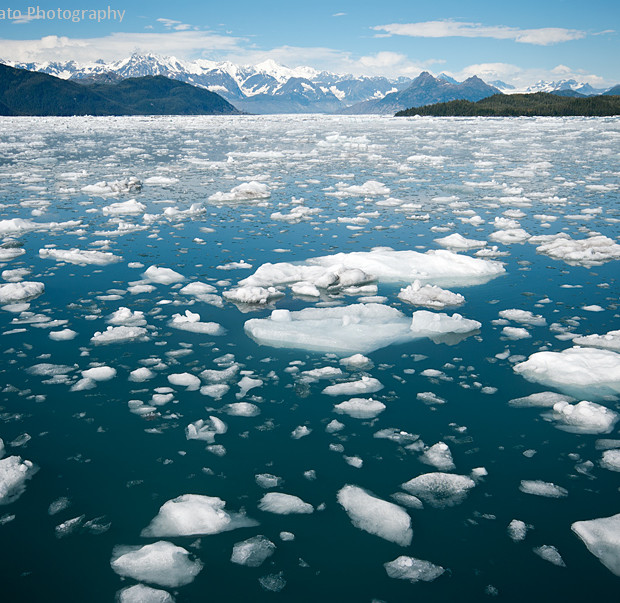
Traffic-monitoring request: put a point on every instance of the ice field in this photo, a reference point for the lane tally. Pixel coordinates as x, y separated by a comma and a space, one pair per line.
309, 358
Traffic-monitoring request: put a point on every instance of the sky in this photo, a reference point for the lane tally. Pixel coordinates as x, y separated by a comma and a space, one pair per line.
517, 42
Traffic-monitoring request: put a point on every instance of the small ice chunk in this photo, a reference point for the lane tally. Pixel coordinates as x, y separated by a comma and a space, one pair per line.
602, 537
360, 408
611, 460
253, 551
540, 399
125, 316
120, 334
300, 431
334, 426
190, 321
284, 504
517, 530
430, 324
216, 391
440, 489
11, 293
205, 430
550, 553
99, 373
266, 480
357, 361
247, 191
252, 295
63, 335
163, 276
246, 384
541, 488
375, 515
124, 208
273, 582
187, 380
412, 569
516, 333
439, 456
430, 296
458, 241
14, 472
524, 317
160, 563
141, 374
139, 593
242, 409
365, 385
195, 515
80, 256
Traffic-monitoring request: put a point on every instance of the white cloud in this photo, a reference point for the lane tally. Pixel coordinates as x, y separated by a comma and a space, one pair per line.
176, 25
190, 44
444, 29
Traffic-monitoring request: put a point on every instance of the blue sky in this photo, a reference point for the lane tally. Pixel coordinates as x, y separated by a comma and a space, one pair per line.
519, 43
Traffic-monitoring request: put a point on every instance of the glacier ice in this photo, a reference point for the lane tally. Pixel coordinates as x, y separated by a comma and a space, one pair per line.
375, 515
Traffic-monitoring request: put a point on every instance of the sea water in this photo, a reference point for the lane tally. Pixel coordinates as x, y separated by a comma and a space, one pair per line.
215, 198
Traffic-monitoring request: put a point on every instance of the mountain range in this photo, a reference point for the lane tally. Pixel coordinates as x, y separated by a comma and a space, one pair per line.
31, 93
268, 87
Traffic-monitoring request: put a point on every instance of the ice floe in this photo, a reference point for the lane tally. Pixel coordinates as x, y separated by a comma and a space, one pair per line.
584, 417
124, 208
195, 515
602, 537
413, 570
541, 488
253, 552
440, 489
593, 251
248, 191
375, 515
14, 472
190, 321
360, 408
162, 276
582, 372
252, 295
439, 456
365, 385
430, 296
120, 334
114, 187
284, 504
161, 563
12, 293
609, 341
139, 593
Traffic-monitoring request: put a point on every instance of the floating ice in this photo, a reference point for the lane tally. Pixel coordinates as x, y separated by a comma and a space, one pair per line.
550, 553
160, 180
583, 372
124, 208
584, 417
80, 256
64, 335
360, 408
457, 241
124, 316
370, 188
365, 385
510, 235
190, 321
439, 456
99, 373
300, 432
139, 593
13, 475
517, 530
609, 341
191, 382
246, 384
602, 537
205, 429
540, 488
273, 582
252, 295
242, 409
515, 333
357, 361
8, 254
412, 569
266, 480
141, 374
248, 191
593, 251
440, 489
358, 328
384, 264
430, 296
215, 391
611, 460
163, 276
160, 563
253, 551
119, 335
524, 317
440, 327
195, 515
11, 293
375, 515
284, 504
114, 187
17, 226
540, 399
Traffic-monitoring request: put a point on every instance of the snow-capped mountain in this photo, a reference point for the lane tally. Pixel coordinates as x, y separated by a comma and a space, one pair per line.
555, 86
267, 87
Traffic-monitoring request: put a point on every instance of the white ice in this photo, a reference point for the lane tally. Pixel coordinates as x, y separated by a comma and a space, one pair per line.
375, 515
584, 417
139, 593
541, 488
194, 515
602, 537
160, 563
252, 295
360, 408
253, 551
439, 456
284, 504
163, 276
14, 472
190, 321
430, 296
120, 334
124, 208
248, 191
609, 341
440, 489
365, 385
11, 293
412, 569
80, 256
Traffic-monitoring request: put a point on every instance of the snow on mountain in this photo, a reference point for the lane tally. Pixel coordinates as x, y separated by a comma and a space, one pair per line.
554, 86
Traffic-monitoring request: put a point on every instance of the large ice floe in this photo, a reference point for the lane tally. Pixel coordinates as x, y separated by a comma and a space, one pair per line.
382, 264
581, 372
375, 515
440, 489
195, 515
161, 563
358, 328
11, 293
602, 537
